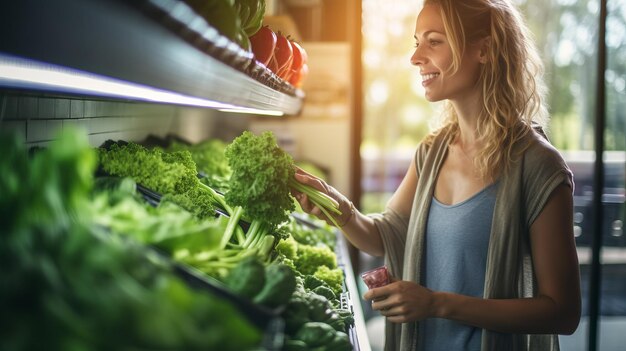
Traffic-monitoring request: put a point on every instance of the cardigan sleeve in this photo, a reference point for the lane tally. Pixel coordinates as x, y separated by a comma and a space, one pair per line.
544, 170
393, 227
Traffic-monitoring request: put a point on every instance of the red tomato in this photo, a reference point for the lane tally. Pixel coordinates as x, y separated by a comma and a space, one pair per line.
283, 54
297, 78
299, 56
272, 64
263, 44
299, 59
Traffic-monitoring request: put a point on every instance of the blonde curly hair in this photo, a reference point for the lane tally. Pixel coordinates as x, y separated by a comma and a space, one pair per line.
511, 81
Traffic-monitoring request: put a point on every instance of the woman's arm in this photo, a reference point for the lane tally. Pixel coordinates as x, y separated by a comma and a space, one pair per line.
358, 228
555, 309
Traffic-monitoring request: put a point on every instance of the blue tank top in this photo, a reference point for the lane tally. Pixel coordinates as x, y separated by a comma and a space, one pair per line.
456, 244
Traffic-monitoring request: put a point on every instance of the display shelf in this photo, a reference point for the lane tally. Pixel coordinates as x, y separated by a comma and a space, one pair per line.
358, 333
350, 297
267, 319
122, 43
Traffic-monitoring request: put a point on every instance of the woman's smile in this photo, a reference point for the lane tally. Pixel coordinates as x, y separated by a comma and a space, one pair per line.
428, 78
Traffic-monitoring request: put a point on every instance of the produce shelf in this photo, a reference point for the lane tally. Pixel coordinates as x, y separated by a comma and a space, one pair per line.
358, 332
268, 319
145, 44
350, 298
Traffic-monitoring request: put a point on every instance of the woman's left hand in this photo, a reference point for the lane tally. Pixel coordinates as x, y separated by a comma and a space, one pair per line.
402, 301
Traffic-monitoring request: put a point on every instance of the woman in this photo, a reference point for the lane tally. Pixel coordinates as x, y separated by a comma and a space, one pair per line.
479, 231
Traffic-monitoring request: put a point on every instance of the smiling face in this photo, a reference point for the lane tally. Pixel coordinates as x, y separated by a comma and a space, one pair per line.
434, 57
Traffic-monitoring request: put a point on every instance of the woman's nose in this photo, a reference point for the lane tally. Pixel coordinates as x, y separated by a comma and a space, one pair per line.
417, 59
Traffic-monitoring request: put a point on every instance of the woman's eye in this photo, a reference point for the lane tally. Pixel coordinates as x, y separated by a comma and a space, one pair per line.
434, 42
416, 45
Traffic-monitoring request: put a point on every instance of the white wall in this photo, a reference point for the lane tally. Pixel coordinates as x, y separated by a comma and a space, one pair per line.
38, 119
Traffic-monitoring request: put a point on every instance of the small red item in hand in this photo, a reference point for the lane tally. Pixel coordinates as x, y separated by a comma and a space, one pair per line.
376, 277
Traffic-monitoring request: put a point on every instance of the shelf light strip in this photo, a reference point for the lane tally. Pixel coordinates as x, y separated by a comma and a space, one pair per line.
22, 73
252, 111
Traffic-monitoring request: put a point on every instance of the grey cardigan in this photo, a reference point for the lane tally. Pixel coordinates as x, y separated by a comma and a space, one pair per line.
523, 191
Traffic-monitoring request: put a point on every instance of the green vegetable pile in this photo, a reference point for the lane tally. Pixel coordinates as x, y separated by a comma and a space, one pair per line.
315, 318
171, 229
69, 285
312, 259
270, 285
313, 323
173, 174
210, 161
276, 262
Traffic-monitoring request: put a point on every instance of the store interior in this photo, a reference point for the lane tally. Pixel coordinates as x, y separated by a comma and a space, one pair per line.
320, 123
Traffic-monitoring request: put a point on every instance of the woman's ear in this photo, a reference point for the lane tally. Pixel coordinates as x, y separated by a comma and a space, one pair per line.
484, 45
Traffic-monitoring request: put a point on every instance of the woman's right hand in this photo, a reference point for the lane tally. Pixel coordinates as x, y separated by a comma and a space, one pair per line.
345, 206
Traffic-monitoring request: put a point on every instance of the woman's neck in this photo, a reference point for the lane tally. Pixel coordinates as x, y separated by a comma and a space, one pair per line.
467, 114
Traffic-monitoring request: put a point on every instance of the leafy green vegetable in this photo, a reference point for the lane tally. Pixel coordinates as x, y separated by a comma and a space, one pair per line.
326, 292
172, 174
295, 345
346, 315
260, 177
307, 306
167, 226
247, 278
312, 282
221, 14
303, 234
315, 334
331, 276
320, 308
296, 313
184, 237
251, 15
340, 342
336, 322
288, 247
280, 283
310, 258
210, 161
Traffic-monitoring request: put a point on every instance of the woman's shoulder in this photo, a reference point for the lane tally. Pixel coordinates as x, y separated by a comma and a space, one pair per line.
539, 151
542, 161
543, 169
